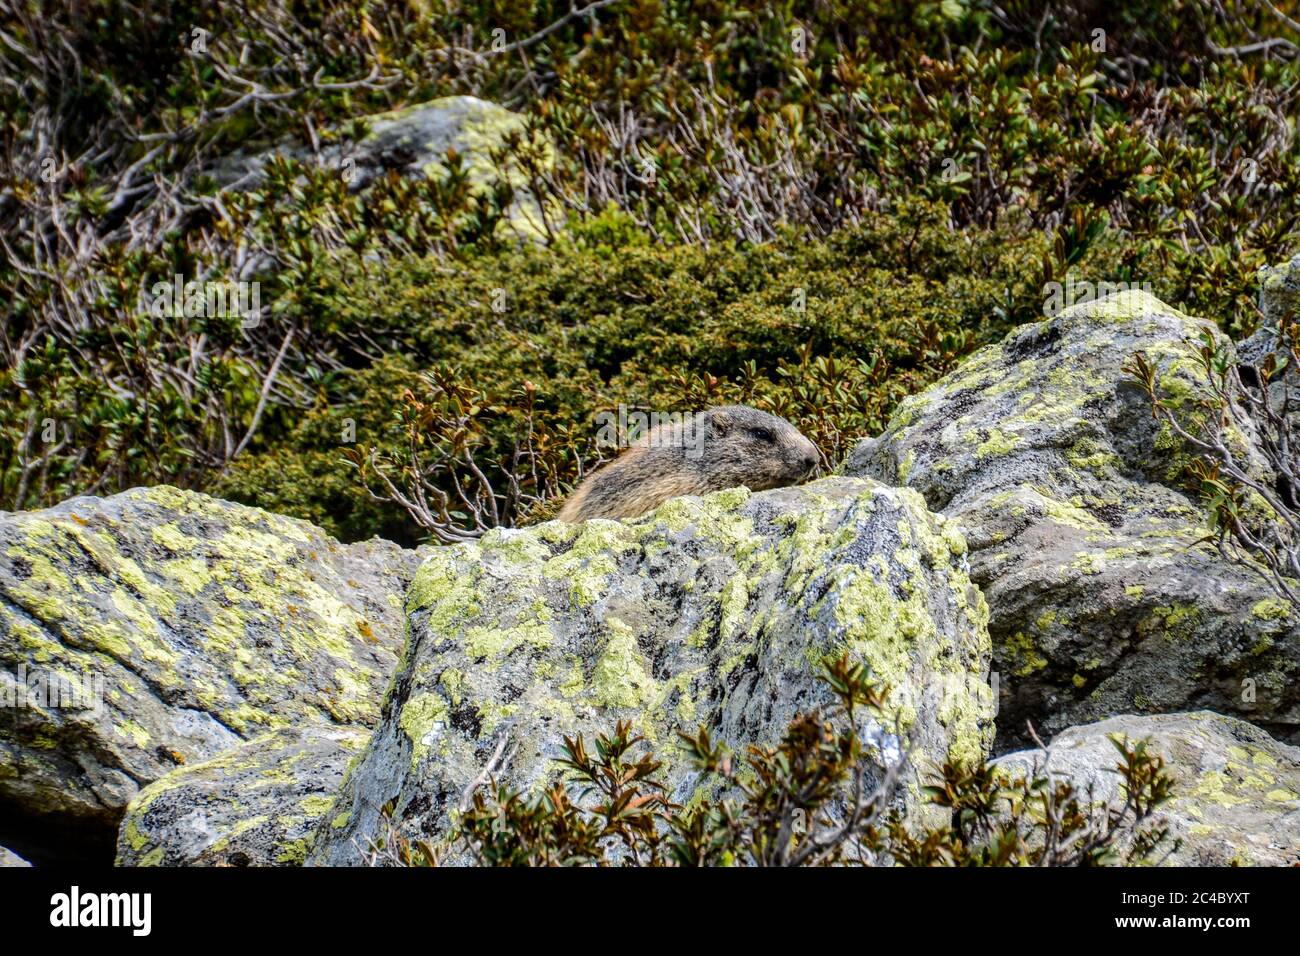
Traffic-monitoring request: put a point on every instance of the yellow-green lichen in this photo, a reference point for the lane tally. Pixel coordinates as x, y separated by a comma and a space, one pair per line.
422, 719
997, 443
1025, 654
734, 600
1087, 562
1173, 621
622, 676
590, 562
497, 643
1270, 609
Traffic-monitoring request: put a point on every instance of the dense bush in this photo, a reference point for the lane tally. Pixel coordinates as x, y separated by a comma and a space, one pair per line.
829, 334
919, 170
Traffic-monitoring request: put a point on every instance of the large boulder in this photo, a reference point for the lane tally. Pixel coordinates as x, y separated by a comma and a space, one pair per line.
1103, 597
712, 611
183, 625
415, 141
1236, 794
257, 804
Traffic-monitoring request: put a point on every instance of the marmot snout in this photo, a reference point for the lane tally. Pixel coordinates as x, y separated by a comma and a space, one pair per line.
715, 449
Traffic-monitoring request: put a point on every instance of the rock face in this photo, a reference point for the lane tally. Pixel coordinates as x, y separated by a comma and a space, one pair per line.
710, 611
10, 858
257, 804
1101, 600
1279, 296
415, 141
1279, 291
183, 625
1236, 798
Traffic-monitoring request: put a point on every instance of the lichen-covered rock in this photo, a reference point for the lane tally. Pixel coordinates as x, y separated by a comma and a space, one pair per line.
713, 611
190, 624
1279, 295
1236, 795
1279, 291
415, 141
1102, 598
257, 804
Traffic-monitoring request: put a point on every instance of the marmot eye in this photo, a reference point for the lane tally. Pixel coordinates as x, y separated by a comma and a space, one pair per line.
763, 434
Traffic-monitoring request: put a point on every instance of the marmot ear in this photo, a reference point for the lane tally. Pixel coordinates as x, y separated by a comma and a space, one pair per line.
719, 422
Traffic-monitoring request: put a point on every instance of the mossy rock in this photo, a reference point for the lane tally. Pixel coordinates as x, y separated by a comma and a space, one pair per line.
1236, 793
1103, 597
194, 624
415, 140
712, 611
257, 804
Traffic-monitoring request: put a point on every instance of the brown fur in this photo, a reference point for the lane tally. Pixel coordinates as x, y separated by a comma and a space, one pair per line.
740, 446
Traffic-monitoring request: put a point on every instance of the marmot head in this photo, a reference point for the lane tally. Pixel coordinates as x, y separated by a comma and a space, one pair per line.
743, 446
709, 451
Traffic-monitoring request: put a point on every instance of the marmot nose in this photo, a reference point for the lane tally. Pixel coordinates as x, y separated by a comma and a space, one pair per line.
809, 460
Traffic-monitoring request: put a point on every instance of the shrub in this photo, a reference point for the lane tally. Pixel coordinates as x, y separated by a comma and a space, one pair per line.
809, 801
830, 335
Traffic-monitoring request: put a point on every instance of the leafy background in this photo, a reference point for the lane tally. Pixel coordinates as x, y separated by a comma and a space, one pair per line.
912, 174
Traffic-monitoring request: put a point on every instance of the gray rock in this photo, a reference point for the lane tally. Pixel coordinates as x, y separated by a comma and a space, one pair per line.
712, 611
1236, 795
10, 858
257, 804
1258, 347
188, 625
1279, 291
1279, 295
1103, 599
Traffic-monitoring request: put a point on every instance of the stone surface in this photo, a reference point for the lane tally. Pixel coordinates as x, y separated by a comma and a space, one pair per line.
713, 611
1279, 291
257, 804
1101, 599
1279, 296
195, 623
1236, 795
12, 859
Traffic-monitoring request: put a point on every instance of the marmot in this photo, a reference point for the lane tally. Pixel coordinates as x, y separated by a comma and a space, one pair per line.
715, 449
